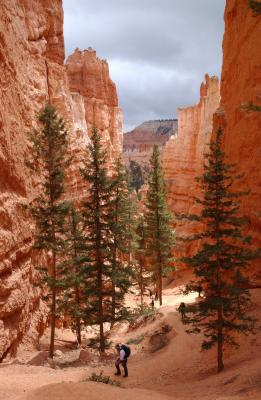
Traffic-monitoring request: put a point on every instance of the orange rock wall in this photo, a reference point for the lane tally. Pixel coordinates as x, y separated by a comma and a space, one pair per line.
32, 72
182, 156
240, 86
89, 76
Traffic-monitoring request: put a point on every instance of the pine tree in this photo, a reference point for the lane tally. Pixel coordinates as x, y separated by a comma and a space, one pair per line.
72, 300
219, 265
120, 219
96, 220
143, 278
48, 209
136, 179
159, 234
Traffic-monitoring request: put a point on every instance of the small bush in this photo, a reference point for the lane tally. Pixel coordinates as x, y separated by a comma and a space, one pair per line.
146, 311
256, 6
103, 379
251, 106
94, 343
136, 340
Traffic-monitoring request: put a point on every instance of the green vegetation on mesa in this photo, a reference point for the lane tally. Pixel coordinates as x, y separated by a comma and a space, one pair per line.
220, 263
159, 233
48, 209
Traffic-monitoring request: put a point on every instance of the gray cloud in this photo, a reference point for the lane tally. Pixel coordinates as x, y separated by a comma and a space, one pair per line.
158, 50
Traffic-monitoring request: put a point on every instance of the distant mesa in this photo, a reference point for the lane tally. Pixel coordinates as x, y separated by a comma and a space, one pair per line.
148, 134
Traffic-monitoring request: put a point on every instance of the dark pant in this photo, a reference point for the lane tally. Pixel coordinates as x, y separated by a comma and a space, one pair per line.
124, 364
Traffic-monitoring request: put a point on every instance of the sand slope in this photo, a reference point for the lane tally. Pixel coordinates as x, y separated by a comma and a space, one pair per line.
179, 370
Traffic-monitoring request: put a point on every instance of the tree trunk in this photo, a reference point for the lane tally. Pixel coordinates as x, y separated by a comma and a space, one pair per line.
160, 286
100, 289
53, 307
78, 319
141, 288
113, 305
220, 341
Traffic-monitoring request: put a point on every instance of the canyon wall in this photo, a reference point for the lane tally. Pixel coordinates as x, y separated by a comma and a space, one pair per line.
89, 76
32, 73
182, 157
240, 110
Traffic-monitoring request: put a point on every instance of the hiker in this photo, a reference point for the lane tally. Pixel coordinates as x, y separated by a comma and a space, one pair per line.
152, 302
123, 354
199, 290
181, 310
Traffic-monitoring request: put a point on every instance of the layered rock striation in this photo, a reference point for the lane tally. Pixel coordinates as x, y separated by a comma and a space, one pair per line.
240, 108
32, 73
182, 157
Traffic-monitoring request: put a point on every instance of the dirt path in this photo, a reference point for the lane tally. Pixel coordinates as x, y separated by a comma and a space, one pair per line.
178, 371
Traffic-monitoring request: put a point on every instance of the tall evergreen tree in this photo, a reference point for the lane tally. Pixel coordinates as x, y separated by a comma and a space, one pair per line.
136, 179
159, 234
120, 218
96, 219
219, 265
72, 299
48, 210
143, 278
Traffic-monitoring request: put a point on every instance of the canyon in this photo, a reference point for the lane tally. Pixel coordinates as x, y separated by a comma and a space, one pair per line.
32, 73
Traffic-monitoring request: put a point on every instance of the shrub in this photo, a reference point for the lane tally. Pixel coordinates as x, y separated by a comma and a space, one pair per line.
102, 379
136, 340
256, 6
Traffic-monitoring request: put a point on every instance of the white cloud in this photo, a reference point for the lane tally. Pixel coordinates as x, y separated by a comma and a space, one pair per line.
158, 50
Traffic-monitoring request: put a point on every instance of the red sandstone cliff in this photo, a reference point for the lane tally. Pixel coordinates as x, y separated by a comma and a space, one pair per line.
32, 72
182, 156
89, 76
241, 87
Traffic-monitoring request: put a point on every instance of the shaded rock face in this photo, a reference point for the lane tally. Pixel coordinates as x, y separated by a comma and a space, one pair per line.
138, 144
182, 157
241, 87
89, 76
32, 72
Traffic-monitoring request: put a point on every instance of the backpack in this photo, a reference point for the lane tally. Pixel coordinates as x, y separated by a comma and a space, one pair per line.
126, 349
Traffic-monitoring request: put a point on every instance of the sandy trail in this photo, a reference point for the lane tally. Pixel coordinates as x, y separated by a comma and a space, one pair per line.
179, 371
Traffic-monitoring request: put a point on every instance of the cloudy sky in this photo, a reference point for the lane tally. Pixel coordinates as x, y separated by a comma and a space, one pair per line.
158, 50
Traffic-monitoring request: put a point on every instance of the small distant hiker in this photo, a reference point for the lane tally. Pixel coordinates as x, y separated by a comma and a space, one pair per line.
123, 354
199, 290
181, 310
152, 302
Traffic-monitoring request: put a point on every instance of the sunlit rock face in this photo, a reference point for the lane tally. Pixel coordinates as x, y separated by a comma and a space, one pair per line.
89, 76
183, 155
240, 98
32, 73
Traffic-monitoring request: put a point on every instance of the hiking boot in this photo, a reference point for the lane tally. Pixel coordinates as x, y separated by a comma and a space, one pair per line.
117, 373
125, 376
